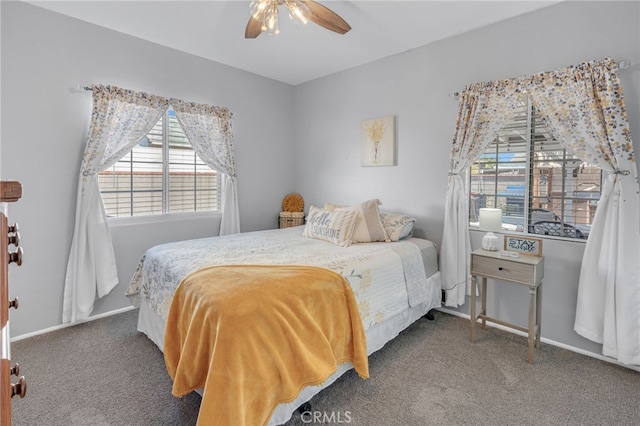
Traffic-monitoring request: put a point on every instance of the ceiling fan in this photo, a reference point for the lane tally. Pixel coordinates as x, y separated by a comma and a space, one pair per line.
264, 16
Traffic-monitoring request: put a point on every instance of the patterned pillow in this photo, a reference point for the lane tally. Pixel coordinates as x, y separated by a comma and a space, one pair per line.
397, 226
368, 226
333, 226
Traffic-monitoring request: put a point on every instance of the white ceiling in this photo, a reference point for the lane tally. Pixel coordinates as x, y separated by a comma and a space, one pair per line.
215, 30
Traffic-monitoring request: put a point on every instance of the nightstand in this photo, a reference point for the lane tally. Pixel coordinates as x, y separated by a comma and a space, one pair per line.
524, 270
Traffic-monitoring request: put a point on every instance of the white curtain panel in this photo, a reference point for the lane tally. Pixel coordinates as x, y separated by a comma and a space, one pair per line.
484, 109
585, 109
208, 128
120, 118
230, 222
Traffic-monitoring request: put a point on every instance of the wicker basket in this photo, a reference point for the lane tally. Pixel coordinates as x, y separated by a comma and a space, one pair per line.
289, 219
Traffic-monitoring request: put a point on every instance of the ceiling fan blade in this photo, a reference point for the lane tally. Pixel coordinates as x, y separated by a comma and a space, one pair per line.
254, 28
326, 18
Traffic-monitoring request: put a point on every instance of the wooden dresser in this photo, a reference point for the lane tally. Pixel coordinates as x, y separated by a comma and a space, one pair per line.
10, 252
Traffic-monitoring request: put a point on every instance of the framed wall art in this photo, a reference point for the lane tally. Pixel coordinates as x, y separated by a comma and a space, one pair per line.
378, 146
523, 245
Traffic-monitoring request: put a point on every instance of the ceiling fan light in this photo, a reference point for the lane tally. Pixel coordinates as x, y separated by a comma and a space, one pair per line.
258, 8
298, 11
270, 19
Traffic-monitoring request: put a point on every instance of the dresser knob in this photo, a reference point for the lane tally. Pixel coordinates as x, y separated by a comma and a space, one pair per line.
16, 257
12, 229
19, 388
15, 370
499, 268
14, 304
14, 239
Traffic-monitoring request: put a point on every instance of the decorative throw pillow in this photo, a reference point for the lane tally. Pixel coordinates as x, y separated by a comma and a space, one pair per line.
397, 226
331, 206
333, 226
368, 226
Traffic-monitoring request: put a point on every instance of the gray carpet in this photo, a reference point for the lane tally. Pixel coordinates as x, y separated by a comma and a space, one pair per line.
106, 373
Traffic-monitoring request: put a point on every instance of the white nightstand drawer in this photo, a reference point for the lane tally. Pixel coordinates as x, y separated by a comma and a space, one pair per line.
504, 269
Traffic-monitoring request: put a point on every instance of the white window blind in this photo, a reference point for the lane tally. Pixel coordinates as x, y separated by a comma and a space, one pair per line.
161, 174
540, 186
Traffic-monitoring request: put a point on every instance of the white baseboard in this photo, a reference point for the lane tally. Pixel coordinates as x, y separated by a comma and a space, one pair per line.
61, 326
547, 341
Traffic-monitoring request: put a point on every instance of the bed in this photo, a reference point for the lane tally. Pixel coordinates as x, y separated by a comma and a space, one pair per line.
394, 283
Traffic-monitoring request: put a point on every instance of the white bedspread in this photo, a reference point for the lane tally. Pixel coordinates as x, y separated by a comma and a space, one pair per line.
386, 277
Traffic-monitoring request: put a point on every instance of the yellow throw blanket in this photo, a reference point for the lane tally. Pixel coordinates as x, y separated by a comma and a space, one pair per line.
254, 336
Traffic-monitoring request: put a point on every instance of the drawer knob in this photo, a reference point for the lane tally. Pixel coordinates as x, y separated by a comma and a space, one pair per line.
15, 370
499, 268
14, 239
16, 257
19, 388
13, 303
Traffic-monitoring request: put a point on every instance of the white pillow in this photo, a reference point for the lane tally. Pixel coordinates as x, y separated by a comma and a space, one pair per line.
397, 225
333, 226
368, 227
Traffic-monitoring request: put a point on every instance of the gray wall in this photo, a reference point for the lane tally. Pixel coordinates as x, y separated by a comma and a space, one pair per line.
414, 86
44, 127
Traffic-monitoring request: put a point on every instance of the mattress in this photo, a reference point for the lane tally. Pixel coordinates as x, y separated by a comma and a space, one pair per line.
394, 283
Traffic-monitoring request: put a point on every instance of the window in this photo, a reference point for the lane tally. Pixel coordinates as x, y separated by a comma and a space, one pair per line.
161, 174
540, 187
